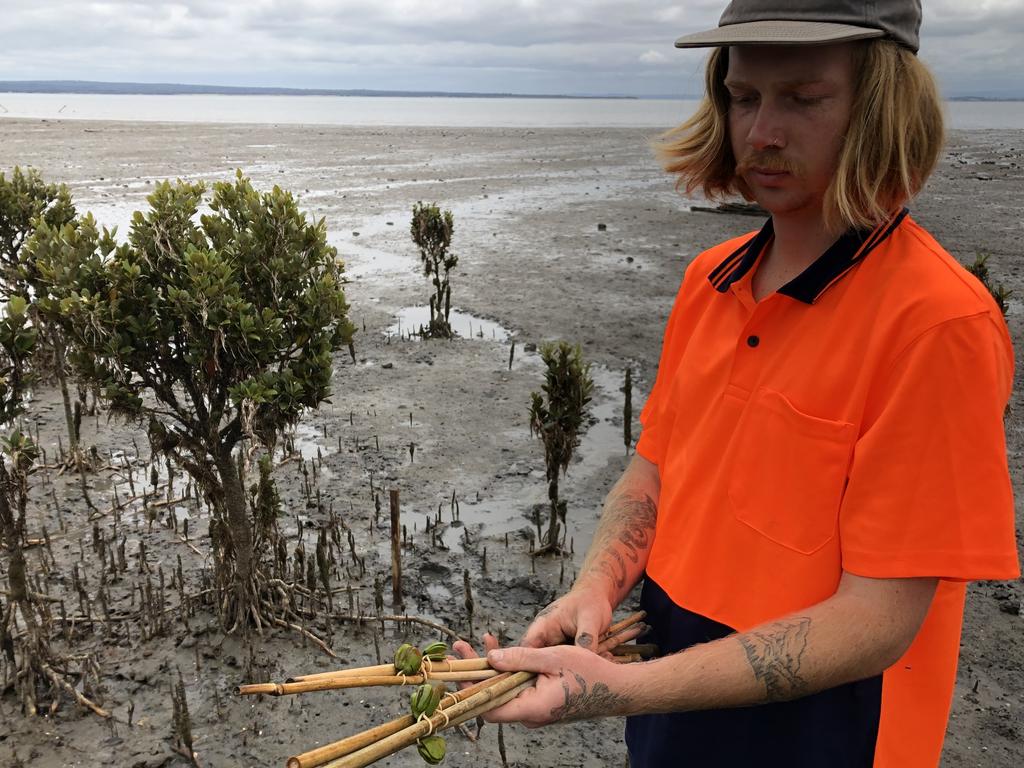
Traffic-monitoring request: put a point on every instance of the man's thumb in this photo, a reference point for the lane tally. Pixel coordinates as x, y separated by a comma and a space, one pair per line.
590, 623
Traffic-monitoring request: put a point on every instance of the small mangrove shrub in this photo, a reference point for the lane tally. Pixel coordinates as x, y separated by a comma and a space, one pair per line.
432, 231
557, 416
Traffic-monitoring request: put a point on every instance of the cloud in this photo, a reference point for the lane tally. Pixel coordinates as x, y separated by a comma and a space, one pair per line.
653, 57
583, 46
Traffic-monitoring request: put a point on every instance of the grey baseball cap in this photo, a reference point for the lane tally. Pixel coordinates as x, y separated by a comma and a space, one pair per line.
811, 22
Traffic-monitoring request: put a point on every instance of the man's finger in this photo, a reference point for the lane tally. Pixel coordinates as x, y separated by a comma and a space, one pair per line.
541, 660
464, 650
544, 631
522, 706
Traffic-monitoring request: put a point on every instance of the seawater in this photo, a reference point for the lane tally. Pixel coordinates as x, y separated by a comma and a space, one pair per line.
415, 111
351, 110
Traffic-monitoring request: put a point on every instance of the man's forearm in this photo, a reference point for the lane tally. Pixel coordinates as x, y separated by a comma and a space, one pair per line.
622, 543
857, 633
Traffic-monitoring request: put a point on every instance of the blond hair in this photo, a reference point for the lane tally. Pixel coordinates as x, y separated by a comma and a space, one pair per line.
890, 149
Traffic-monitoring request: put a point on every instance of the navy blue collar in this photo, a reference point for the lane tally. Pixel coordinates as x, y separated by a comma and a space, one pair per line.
826, 270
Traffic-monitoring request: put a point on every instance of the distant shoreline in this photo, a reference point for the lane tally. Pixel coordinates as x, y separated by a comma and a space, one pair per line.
96, 88
986, 98
179, 89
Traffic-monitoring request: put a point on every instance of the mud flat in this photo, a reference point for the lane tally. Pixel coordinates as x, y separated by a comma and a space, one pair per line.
534, 265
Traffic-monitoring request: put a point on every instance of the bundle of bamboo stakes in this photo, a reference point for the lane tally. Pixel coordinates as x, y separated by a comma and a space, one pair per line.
490, 689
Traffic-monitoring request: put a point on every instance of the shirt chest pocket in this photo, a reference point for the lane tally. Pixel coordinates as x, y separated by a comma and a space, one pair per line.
788, 471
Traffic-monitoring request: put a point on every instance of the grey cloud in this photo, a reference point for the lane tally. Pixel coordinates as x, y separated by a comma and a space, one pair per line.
509, 24
517, 45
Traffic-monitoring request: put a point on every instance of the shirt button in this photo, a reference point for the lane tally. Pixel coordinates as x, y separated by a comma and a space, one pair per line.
753, 341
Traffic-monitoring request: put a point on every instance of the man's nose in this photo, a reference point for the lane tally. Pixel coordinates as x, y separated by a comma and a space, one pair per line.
766, 129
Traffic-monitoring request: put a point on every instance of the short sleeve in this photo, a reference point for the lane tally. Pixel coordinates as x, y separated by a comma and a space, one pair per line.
929, 491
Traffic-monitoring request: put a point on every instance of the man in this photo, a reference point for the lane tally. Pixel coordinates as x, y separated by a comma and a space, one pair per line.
822, 465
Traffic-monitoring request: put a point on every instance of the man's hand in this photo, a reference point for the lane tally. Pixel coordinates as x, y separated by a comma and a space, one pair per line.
582, 616
572, 684
615, 562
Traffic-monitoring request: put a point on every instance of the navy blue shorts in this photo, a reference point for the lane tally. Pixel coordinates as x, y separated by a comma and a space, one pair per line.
836, 728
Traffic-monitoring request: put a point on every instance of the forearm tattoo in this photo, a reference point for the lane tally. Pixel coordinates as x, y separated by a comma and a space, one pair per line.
633, 529
776, 655
589, 701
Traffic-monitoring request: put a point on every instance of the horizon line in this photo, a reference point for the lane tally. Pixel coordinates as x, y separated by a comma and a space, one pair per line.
167, 88
134, 88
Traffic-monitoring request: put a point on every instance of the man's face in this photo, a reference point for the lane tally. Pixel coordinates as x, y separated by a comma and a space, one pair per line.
789, 110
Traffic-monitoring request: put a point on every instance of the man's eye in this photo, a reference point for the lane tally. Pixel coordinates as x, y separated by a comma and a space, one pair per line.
808, 101
742, 98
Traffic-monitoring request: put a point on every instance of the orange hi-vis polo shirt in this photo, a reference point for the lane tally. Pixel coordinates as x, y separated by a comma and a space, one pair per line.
851, 421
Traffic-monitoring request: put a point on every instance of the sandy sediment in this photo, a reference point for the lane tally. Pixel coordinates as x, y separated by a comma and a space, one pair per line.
534, 263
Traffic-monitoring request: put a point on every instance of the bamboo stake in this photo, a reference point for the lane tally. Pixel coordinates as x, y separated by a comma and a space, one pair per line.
621, 638
321, 755
498, 701
368, 681
622, 632
467, 676
379, 670
410, 735
629, 621
448, 665
317, 757
645, 650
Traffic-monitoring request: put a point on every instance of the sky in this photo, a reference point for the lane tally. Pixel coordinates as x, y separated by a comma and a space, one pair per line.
584, 47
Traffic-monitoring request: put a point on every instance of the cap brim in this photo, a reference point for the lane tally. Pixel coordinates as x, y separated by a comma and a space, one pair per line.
777, 33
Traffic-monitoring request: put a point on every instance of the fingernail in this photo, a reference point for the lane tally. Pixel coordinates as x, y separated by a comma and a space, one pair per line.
496, 655
584, 640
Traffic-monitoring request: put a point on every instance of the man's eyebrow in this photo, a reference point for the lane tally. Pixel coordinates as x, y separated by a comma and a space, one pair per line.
794, 83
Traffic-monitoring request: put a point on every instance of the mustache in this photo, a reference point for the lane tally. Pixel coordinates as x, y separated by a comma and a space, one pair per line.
770, 161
